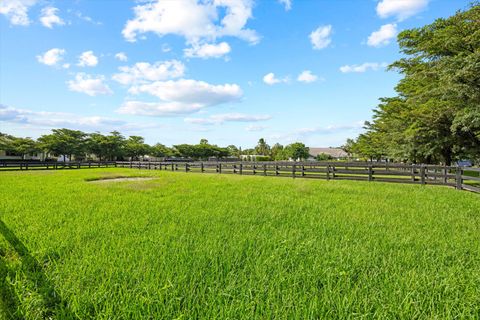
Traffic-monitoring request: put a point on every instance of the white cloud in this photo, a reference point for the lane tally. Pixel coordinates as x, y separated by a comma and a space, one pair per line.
255, 128
49, 17
402, 9
206, 50
90, 85
190, 91
270, 79
157, 109
121, 56
321, 37
287, 4
197, 21
228, 117
142, 72
87, 59
87, 18
383, 36
360, 68
61, 120
16, 11
52, 57
307, 76
180, 97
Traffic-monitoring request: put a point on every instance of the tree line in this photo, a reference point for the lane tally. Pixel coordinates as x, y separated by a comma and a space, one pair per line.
70, 144
435, 116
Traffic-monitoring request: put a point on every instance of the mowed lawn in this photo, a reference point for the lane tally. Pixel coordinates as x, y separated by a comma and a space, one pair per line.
189, 246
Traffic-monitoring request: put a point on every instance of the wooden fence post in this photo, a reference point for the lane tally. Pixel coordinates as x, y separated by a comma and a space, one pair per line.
234, 169
458, 178
370, 173
264, 169
422, 174
333, 172
241, 168
219, 168
202, 169
328, 172
294, 167
254, 169
276, 170
303, 171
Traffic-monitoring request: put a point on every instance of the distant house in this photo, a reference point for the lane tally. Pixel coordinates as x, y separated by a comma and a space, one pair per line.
335, 153
7, 155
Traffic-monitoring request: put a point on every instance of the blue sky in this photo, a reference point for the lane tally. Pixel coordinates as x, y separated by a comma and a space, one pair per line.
176, 71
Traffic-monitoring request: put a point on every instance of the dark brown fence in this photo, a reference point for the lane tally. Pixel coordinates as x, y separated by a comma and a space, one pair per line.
460, 178
34, 165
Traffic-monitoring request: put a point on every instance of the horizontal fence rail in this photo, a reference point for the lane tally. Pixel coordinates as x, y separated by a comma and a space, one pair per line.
458, 177
35, 165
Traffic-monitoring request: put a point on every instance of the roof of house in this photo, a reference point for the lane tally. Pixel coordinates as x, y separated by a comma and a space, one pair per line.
334, 152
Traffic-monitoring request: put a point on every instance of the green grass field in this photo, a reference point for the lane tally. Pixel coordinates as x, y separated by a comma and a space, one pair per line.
188, 246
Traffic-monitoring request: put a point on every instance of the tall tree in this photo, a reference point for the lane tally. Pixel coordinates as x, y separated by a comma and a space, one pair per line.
262, 147
435, 117
297, 151
64, 142
135, 147
24, 146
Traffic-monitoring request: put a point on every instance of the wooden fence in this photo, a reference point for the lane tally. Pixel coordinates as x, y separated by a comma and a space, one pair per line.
458, 177
34, 165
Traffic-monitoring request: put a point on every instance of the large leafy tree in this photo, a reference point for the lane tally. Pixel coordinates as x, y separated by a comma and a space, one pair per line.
24, 146
297, 151
436, 115
135, 147
262, 147
64, 142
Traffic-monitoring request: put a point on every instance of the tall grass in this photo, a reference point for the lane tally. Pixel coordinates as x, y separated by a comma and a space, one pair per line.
188, 246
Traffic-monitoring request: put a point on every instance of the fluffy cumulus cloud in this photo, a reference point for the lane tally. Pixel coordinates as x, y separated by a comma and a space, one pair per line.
307, 76
287, 4
16, 11
142, 72
52, 57
206, 50
383, 36
88, 84
321, 37
360, 68
87, 59
49, 17
195, 20
401, 9
180, 97
121, 56
271, 79
66, 120
228, 117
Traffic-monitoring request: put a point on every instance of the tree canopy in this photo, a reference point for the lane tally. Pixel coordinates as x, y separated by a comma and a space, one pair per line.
435, 117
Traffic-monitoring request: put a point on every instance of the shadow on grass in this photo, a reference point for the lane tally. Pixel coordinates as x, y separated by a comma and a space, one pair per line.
54, 306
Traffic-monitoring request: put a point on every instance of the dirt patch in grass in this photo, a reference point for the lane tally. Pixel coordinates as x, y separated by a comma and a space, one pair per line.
118, 179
